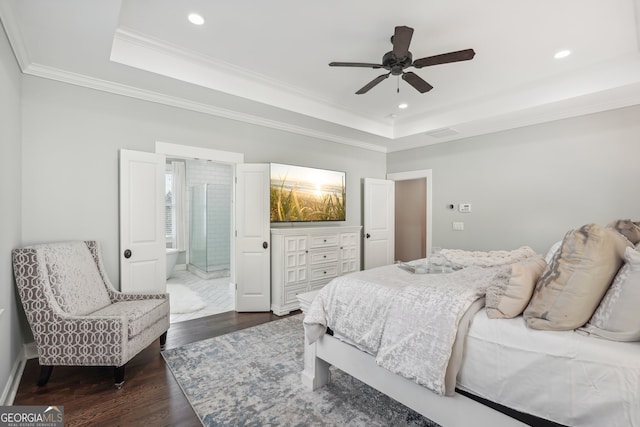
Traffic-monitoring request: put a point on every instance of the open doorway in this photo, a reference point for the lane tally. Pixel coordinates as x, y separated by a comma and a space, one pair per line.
413, 195
410, 219
199, 224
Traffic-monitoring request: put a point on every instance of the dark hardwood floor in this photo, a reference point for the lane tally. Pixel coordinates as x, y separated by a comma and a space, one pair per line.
150, 395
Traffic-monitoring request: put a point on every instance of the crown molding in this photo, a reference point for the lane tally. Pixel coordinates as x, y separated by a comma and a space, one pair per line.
51, 73
606, 100
157, 56
16, 40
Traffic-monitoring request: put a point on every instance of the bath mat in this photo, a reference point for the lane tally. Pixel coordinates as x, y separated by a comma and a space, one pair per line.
183, 300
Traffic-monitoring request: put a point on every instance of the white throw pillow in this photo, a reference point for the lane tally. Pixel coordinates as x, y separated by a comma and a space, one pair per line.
618, 317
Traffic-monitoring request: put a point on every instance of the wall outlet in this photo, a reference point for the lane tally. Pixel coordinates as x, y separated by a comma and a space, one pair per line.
458, 226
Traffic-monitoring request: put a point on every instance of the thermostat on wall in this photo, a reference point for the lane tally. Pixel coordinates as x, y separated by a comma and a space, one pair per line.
464, 207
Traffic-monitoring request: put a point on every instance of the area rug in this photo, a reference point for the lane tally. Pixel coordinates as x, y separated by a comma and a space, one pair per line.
252, 378
183, 300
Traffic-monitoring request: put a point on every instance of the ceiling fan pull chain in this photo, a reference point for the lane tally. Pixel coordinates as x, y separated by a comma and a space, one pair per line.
398, 84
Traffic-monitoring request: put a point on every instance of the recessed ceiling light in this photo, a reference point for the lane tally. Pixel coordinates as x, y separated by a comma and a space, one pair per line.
196, 19
562, 54
403, 105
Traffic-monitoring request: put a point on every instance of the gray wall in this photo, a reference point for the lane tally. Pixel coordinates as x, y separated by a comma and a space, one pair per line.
528, 186
10, 212
70, 149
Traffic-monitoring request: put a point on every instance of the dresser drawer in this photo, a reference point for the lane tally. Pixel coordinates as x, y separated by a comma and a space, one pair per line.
321, 257
322, 272
315, 286
290, 293
324, 240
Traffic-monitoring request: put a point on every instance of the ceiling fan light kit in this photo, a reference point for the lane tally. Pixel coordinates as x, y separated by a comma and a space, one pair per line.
399, 59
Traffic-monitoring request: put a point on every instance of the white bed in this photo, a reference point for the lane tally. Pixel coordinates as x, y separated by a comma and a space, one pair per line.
565, 377
556, 376
562, 376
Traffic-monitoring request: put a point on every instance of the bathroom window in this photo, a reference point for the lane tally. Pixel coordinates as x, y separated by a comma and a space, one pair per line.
169, 207
174, 204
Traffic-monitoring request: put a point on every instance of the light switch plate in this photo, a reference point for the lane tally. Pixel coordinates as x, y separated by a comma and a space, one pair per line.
464, 207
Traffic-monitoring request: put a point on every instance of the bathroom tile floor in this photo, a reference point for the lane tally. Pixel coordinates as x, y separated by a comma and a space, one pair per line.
217, 294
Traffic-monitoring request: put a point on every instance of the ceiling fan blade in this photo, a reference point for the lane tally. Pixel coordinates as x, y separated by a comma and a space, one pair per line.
460, 55
417, 82
372, 83
401, 41
355, 64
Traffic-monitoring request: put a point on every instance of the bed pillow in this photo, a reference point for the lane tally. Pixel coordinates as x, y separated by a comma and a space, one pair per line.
618, 316
508, 298
552, 251
572, 285
628, 228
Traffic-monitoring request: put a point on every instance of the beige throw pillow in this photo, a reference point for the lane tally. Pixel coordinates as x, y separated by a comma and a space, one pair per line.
508, 298
618, 315
628, 228
571, 287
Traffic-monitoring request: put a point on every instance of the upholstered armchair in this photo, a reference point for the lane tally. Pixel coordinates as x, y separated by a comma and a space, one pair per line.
76, 315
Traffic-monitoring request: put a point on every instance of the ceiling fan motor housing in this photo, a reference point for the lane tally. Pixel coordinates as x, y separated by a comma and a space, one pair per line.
391, 63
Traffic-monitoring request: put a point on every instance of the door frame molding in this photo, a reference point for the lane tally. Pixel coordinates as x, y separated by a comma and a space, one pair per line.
191, 152
417, 174
218, 156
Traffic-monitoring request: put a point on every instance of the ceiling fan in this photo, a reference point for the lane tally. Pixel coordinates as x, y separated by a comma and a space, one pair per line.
400, 58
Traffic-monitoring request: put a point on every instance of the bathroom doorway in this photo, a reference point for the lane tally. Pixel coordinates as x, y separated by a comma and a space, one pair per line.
199, 223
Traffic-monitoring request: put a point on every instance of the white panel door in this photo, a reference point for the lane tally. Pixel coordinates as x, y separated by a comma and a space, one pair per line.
379, 222
142, 237
253, 236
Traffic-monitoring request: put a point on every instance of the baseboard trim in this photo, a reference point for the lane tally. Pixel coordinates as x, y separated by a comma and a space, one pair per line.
11, 389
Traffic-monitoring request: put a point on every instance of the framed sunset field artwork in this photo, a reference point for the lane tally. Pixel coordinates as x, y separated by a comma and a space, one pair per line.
303, 194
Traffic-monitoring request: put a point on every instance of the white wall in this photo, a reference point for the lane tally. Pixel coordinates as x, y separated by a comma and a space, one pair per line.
70, 150
10, 213
528, 186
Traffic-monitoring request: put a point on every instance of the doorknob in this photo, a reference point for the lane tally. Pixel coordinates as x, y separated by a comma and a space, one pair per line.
265, 245
367, 235
127, 253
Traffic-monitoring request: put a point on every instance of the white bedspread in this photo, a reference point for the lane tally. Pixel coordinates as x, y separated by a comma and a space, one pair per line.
562, 376
408, 321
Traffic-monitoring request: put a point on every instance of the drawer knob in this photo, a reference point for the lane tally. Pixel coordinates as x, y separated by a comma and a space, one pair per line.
325, 256
325, 240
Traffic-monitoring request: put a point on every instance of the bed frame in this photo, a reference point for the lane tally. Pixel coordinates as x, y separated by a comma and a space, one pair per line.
457, 410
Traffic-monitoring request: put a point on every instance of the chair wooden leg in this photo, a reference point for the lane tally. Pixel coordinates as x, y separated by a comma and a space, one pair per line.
45, 374
163, 340
118, 374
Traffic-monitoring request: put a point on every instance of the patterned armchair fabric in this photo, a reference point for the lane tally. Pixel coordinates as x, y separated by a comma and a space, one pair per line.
76, 315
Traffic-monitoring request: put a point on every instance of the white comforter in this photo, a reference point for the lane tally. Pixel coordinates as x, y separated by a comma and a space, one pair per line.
408, 321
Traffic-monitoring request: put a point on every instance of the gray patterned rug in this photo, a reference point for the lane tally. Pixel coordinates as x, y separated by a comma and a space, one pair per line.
252, 378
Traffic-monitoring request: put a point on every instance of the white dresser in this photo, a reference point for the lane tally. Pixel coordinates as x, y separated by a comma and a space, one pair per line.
306, 259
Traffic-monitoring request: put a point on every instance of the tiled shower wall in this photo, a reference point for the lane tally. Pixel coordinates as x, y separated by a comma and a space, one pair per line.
211, 252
